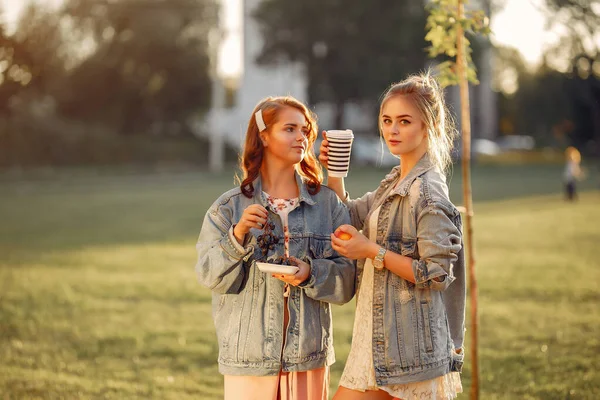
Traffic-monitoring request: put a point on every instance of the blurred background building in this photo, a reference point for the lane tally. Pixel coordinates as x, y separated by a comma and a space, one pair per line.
234, 99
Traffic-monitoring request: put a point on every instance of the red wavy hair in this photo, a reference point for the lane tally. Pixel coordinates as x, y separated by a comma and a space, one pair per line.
253, 153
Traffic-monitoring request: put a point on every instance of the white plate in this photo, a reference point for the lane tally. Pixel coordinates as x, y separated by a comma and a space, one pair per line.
277, 269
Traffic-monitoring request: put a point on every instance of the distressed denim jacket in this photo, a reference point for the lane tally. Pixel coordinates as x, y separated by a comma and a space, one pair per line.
247, 304
416, 327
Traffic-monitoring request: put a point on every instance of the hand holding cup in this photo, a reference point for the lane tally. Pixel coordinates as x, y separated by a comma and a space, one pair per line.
335, 152
323, 150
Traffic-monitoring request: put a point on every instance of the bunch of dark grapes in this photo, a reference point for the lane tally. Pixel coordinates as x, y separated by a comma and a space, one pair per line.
267, 240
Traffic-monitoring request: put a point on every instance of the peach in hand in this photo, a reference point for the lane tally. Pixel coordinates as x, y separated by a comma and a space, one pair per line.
343, 235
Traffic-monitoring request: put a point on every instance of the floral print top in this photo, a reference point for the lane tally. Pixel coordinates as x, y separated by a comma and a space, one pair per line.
282, 207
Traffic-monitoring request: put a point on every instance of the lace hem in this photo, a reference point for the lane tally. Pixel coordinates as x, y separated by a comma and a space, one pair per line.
445, 387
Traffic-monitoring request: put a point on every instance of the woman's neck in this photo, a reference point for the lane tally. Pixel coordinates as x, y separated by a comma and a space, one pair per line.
409, 160
279, 181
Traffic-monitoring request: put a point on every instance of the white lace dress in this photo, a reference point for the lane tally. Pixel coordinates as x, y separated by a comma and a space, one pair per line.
359, 372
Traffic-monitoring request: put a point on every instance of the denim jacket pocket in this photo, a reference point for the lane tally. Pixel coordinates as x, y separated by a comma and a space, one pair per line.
320, 248
403, 288
426, 315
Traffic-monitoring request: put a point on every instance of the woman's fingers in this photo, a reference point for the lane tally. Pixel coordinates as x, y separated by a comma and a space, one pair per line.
257, 209
324, 148
257, 222
348, 229
338, 245
254, 216
258, 217
323, 156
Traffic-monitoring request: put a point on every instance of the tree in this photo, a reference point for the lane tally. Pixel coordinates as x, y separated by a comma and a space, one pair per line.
578, 23
584, 88
351, 49
579, 51
536, 102
563, 96
582, 23
40, 36
71, 76
17, 69
145, 65
448, 24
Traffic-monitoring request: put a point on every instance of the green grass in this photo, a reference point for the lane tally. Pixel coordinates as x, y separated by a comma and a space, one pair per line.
98, 297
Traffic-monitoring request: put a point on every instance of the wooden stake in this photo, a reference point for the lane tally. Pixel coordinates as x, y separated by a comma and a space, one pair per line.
467, 196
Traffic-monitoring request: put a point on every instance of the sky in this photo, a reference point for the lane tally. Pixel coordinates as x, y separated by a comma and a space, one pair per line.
520, 24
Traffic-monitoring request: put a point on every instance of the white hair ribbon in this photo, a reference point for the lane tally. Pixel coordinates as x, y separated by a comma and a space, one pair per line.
259, 120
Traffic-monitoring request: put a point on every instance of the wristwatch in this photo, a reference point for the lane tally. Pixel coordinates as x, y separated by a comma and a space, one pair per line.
378, 260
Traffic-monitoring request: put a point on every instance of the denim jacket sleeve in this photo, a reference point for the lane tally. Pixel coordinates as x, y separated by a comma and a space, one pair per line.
359, 208
332, 279
220, 265
439, 242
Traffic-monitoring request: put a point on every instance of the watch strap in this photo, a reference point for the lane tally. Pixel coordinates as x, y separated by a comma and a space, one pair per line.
378, 260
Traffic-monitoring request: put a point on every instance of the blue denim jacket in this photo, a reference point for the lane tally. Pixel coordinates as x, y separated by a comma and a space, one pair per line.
416, 327
247, 304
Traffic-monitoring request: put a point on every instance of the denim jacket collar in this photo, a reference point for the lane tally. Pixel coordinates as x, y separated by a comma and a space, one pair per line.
422, 166
304, 195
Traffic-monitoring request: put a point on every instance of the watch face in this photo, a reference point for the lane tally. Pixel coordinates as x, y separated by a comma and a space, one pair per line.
378, 261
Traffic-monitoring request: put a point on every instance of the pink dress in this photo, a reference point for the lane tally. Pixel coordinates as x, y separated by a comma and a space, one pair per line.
305, 385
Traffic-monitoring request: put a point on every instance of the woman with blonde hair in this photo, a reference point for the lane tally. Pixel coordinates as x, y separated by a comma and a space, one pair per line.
406, 235
274, 331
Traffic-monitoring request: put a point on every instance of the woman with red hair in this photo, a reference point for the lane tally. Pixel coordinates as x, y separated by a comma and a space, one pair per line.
275, 331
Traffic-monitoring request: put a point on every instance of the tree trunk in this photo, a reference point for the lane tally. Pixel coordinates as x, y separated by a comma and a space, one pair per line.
467, 197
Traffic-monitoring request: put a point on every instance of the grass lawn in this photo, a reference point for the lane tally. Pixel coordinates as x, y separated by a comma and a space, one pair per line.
98, 297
